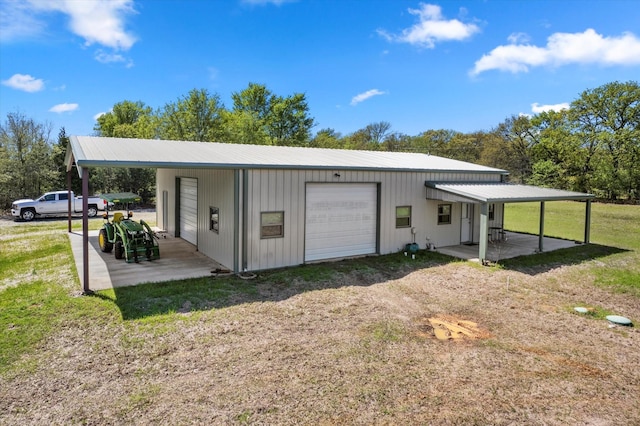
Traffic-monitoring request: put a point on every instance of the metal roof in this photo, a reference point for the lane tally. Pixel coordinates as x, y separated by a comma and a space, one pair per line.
92, 151
501, 192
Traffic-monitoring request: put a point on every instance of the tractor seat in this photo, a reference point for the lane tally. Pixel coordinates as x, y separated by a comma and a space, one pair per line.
117, 217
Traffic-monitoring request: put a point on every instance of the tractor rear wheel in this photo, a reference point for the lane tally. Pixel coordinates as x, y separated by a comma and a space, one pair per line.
119, 250
103, 240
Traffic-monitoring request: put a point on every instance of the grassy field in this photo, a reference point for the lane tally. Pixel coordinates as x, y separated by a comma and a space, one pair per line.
340, 343
612, 226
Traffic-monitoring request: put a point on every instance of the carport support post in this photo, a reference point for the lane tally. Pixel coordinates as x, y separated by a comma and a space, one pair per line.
541, 233
69, 199
484, 232
85, 231
587, 223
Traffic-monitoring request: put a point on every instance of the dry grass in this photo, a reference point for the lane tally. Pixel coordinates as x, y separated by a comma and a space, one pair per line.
355, 349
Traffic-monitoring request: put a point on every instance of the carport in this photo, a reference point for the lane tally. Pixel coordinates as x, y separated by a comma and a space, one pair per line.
179, 260
486, 193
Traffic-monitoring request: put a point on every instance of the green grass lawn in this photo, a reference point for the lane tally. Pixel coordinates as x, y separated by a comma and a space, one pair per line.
613, 226
38, 279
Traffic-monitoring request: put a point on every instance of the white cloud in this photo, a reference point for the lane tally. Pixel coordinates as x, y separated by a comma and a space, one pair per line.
537, 109
108, 58
432, 27
17, 21
98, 115
98, 22
366, 95
60, 108
588, 47
24, 82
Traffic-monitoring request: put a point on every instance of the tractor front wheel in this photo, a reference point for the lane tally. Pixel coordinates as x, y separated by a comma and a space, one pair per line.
119, 250
103, 240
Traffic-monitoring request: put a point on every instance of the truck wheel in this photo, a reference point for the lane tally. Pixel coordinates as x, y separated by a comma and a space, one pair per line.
92, 211
103, 240
28, 214
119, 250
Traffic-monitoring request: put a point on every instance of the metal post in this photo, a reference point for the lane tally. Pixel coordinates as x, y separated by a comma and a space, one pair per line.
587, 223
484, 232
85, 231
69, 198
541, 234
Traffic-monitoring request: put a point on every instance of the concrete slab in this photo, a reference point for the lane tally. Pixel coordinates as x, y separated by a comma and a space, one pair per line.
514, 245
178, 260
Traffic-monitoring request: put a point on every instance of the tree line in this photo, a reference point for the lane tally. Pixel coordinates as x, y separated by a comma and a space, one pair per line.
593, 146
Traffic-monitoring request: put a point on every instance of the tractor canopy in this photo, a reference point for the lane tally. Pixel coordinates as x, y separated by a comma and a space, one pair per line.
121, 197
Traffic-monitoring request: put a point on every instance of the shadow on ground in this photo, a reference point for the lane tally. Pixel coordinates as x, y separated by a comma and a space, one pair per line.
221, 291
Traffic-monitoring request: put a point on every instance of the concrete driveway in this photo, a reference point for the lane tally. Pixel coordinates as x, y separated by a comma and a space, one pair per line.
178, 260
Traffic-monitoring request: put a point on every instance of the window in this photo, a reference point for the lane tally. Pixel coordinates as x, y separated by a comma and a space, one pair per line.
403, 217
492, 208
63, 196
214, 219
271, 224
444, 214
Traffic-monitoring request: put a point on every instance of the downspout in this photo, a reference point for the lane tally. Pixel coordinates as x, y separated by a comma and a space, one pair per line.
245, 214
236, 221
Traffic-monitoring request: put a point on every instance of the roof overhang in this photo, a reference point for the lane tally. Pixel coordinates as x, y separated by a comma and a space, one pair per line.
498, 192
93, 151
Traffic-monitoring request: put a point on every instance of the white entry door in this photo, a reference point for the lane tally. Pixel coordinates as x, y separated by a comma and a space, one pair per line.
189, 210
465, 223
341, 220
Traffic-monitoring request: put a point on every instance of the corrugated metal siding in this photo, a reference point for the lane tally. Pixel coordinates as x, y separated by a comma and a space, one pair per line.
215, 189
284, 190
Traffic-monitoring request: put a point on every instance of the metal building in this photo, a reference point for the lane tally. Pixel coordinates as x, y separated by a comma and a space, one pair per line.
254, 207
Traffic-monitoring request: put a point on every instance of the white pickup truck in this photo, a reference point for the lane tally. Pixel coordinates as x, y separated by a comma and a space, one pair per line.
55, 204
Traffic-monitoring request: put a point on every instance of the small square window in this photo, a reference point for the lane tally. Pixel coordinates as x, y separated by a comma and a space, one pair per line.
271, 224
403, 217
214, 219
444, 214
492, 209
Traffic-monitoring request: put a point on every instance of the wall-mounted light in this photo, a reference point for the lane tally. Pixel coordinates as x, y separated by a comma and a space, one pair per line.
336, 175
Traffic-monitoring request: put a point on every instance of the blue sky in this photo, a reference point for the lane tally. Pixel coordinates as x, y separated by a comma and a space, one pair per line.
461, 65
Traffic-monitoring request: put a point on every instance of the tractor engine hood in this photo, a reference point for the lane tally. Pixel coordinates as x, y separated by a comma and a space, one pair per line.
131, 226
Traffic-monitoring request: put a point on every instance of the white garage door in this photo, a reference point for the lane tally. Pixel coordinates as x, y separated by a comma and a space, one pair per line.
340, 220
189, 210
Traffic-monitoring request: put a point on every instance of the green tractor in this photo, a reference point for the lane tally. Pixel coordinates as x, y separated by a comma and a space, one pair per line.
128, 239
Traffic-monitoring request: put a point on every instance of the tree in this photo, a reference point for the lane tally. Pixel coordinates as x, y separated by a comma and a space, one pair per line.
377, 132
556, 156
326, 138
608, 121
127, 119
289, 123
58, 155
195, 117
519, 137
27, 170
260, 117
397, 141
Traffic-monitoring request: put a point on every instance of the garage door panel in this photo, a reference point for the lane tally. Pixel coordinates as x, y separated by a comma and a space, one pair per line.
341, 220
